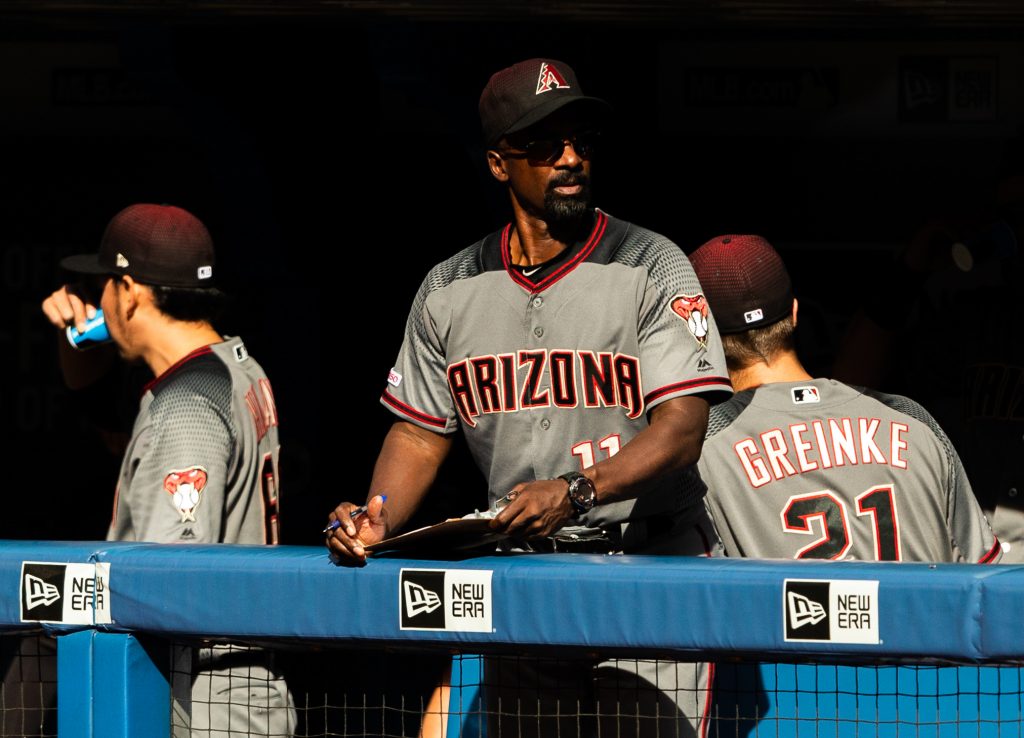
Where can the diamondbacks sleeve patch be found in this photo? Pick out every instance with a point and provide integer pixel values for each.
(186, 489)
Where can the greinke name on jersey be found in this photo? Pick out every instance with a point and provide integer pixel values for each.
(822, 444)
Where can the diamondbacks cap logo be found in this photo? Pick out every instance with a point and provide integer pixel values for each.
(549, 79)
(186, 489)
(445, 599)
(805, 395)
(693, 309)
(121, 261)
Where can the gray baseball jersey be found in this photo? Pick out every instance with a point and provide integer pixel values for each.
(555, 375)
(201, 465)
(818, 469)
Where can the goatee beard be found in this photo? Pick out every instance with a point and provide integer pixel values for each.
(567, 213)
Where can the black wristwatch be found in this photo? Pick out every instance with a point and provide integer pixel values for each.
(582, 493)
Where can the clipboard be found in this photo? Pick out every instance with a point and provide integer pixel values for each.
(451, 535)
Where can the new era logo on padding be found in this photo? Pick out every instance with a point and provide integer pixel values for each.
(419, 599)
(445, 599)
(64, 593)
(832, 610)
(804, 611)
(38, 592)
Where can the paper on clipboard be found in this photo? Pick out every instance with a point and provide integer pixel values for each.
(451, 535)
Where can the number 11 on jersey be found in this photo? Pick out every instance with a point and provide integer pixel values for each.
(584, 450)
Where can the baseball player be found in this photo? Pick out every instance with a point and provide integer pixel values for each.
(574, 350)
(806, 468)
(201, 465)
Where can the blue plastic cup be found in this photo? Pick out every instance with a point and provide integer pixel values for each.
(95, 333)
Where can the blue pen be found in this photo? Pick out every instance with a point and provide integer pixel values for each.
(352, 515)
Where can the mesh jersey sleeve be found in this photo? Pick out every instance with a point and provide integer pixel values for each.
(179, 470)
(417, 388)
(719, 418)
(971, 536)
(674, 360)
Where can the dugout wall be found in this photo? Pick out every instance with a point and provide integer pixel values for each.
(855, 649)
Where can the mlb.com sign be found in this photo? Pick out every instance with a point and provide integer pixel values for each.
(445, 599)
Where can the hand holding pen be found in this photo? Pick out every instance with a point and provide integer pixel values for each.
(336, 523)
(352, 528)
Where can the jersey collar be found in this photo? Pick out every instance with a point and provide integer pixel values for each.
(151, 384)
(600, 224)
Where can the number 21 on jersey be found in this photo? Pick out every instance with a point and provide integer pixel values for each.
(824, 514)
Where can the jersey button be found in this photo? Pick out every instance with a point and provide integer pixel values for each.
(545, 424)
(538, 331)
(538, 301)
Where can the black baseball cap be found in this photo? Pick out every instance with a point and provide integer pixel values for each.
(154, 244)
(526, 93)
(744, 281)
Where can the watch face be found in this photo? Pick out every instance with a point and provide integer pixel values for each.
(582, 493)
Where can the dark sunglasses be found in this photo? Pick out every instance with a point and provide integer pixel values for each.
(549, 150)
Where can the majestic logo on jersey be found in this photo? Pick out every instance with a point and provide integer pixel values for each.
(704, 365)
(186, 489)
(508, 383)
(804, 395)
(693, 309)
(549, 79)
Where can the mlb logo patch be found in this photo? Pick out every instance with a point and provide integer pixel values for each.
(805, 395)
(752, 315)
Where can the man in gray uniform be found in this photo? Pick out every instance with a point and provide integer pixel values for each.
(574, 351)
(807, 468)
(201, 465)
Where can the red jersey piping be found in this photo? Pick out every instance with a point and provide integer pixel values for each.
(201, 351)
(600, 224)
(412, 412)
(688, 385)
(992, 553)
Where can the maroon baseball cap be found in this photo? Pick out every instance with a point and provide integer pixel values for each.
(526, 93)
(744, 281)
(155, 244)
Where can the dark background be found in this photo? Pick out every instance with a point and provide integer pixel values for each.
(333, 151)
